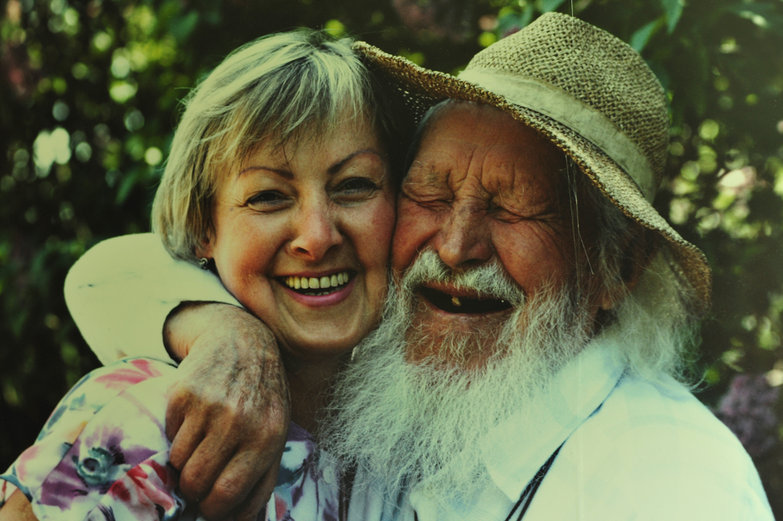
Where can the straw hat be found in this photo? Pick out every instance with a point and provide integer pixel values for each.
(589, 93)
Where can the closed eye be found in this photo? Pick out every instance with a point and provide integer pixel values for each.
(425, 195)
(503, 214)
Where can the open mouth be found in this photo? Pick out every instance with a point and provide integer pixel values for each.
(317, 286)
(462, 304)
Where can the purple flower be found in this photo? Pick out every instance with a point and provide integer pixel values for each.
(748, 409)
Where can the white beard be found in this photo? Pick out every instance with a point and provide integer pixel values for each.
(403, 424)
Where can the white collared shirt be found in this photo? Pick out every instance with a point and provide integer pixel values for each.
(631, 450)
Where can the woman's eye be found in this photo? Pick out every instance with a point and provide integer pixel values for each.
(266, 200)
(356, 187)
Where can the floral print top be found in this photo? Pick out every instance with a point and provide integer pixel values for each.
(103, 454)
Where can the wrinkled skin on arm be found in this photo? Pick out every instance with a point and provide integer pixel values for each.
(229, 410)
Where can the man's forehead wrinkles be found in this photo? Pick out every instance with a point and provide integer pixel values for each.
(437, 167)
(503, 180)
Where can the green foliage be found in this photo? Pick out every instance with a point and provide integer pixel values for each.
(90, 94)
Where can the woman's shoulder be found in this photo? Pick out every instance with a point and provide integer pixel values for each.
(103, 449)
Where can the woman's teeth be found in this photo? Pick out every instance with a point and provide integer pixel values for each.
(326, 282)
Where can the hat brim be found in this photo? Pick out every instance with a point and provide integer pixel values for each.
(420, 88)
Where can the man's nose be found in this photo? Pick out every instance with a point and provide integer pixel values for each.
(316, 231)
(464, 239)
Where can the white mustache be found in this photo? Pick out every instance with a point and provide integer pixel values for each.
(488, 280)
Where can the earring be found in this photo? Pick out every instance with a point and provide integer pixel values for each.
(203, 263)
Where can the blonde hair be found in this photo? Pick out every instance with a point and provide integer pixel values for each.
(278, 87)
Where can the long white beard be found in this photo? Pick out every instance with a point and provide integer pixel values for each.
(402, 423)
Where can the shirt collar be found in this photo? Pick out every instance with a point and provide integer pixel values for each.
(515, 450)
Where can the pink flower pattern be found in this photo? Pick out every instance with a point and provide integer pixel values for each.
(103, 454)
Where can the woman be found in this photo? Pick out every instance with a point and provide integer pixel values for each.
(279, 181)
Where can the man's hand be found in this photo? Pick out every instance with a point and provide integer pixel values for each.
(228, 410)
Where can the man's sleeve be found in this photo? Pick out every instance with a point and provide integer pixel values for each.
(120, 292)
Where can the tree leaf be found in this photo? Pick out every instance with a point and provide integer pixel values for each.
(642, 35)
(182, 27)
(673, 10)
(546, 6)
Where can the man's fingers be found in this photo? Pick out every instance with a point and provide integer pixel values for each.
(259, 496)
(234, 485)
(175, 415)
(198, 476)
(187, 439)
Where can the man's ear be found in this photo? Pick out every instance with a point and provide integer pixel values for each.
(638, 252)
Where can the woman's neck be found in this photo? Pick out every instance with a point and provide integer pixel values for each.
(310, 384)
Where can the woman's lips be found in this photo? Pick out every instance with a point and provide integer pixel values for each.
(322, 290)
(325, 282)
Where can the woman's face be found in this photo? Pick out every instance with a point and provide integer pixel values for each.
(302, 235)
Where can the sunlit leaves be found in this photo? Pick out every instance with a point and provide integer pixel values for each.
(122, 91)
(335, 28)
(102, 41)
(49, 148)
(92, 94)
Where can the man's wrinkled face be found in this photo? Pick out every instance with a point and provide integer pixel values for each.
(483, 189)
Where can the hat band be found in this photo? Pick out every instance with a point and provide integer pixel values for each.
(582, 119)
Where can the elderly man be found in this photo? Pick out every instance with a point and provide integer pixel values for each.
(540, 306)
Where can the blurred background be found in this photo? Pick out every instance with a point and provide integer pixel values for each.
(90, 92)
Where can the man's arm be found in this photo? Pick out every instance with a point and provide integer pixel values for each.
(228, 410)
(122, 290)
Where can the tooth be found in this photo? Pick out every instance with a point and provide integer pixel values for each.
(455, 301)
(297, 285)
(313, 283)
(333, 280)
(324, 282)
(305, 283)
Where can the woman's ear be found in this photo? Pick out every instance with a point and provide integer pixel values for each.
(205, 247)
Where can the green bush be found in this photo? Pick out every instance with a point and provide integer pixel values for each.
(90, 94)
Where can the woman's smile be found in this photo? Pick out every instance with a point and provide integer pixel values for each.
(320, 290)
(302, 233)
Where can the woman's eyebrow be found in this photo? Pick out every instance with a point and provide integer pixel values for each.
(282, 172)
(333, 169)
(336, 167)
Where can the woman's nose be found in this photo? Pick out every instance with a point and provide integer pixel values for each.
(316, 231)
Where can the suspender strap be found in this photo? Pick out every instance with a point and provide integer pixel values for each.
(523, 503)
(530, 490)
